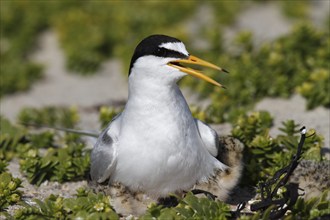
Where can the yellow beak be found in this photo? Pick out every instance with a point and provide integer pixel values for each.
(196, 61)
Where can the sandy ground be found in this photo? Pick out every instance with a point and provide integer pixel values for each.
(109, 87)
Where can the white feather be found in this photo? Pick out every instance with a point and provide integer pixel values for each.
(177, 46)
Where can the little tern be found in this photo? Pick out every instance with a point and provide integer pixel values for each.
(155, 145)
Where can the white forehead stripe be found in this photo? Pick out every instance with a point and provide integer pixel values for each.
(176, 46)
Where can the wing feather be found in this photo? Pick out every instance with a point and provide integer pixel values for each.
(209, 137)
(104, 154)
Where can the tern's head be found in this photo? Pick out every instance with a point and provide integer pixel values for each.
(161, 59)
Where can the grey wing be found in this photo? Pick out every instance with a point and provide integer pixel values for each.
(209, 137)
(104, 154)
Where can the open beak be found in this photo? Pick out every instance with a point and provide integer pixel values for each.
(196, 61)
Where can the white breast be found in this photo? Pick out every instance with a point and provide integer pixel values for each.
(159, 149)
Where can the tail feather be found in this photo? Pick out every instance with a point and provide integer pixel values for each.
(69, 130)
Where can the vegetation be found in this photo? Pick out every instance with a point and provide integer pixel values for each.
(71, 162)
(87, 39)
(9, 193)
(296, 10)
(86, 205)
(50, 116)
(106, 115)
(311, 209)
(265, 154)
(41, 158)
(289, 61)
(315, 89)
(315, 208)
(18, 32)
(190, 207)
(296, 62)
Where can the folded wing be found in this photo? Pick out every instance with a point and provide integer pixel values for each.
(209, 137)
(104, 153)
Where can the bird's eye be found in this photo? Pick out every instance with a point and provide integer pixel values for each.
(161, 52)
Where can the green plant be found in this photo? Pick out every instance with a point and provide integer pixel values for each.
(49, 116)
(265, 154)
(198, 113)
(17, 75)
(3, 164)
(311, 209)
(42, 156)
(10, 137)
(226, 11)
(275, 69)
(279, 198)
(316, 88)
(296, 9)
(107, 114)
(16, 140)
(18, 34)
(9, 193)
(190, 207)
(248, 127)
(85, 205)
(70, 162)
(94, 38)
(314, 208)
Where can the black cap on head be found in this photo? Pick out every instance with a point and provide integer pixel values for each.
(150, 46)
